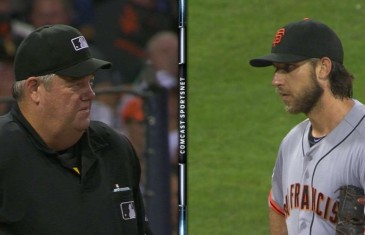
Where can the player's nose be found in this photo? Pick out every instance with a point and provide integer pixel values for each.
(277, 79)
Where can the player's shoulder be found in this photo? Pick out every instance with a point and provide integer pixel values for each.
(357, 109)
(298, 130)
(356, 118)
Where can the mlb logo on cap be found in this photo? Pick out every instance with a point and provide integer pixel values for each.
(79, 43)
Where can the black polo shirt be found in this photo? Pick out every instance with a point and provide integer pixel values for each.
(40, 194)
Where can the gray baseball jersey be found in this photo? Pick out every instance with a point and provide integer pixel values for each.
(306, 179)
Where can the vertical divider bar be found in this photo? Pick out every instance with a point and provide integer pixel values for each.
(182, 198)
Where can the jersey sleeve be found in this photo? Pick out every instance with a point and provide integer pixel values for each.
(275, 198)
(274, 206)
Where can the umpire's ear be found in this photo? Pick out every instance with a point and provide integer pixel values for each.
(31, 87)
(325, 66)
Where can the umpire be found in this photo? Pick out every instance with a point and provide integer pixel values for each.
(61, 173)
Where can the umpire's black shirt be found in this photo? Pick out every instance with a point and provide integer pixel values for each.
(41, 195)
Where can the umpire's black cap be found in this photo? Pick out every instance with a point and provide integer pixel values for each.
(59, 49)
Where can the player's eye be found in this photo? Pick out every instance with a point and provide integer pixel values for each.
(290, 67)
(286, 68)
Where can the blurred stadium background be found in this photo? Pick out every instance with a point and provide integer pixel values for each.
(236, 121)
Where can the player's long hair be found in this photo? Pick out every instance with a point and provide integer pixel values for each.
(341, 81)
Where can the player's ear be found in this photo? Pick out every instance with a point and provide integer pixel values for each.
(325, 66)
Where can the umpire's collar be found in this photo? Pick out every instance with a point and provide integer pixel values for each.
(95, 142)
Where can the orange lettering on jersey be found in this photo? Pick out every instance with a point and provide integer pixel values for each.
(291, 196)
(333, 218)
(286, 209)
(319, 200)
(304, 197)
(314, 193)
(278, 36)
(326, 210)
(297, 192)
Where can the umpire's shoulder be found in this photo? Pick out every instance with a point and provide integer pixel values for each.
(104, 133)
(12, 139)
(112, 145)
(10, 131)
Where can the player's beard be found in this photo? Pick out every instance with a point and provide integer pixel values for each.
(307, 99)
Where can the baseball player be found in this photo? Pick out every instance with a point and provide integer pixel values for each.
(322, 158)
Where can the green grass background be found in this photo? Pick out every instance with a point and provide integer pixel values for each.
(236, 121)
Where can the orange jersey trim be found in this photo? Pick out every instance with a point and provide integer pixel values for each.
(274, 206)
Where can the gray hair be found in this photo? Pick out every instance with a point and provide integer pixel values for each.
(18, 87)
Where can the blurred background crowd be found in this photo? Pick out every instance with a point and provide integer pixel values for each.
(140, 38)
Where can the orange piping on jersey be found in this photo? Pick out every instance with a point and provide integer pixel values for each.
(274, 206)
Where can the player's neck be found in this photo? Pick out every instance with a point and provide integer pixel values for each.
(328, 114)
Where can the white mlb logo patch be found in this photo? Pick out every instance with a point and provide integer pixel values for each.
(79, 43)
(128, 210)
